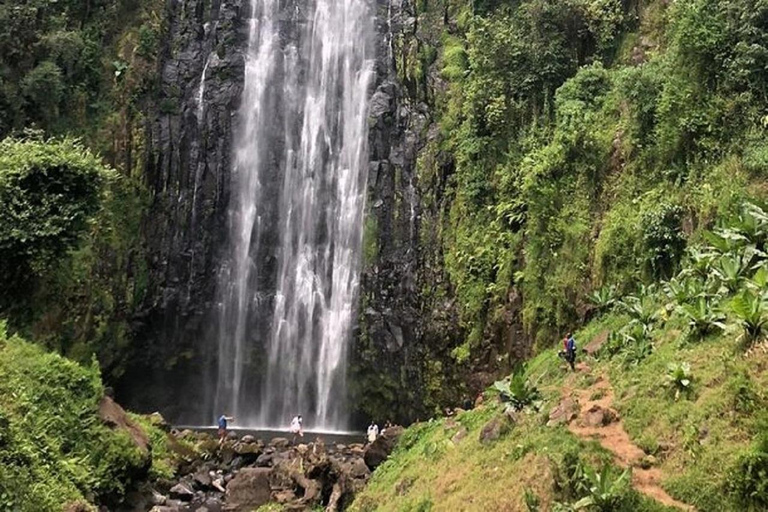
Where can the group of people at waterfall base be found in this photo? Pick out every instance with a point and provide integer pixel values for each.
(373, 431)
(297, 428)
(568, 353)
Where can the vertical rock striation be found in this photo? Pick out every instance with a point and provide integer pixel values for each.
(188, 173)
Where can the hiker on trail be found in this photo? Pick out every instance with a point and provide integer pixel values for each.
(223, 419)
(296, 428)
(569, 351)
(373, 432)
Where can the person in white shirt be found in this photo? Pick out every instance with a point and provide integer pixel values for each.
(373, 432)
(296, 428)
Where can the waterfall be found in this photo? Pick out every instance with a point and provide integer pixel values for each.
(201, 92)
(298, 196)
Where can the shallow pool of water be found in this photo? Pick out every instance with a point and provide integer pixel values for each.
(268, 435)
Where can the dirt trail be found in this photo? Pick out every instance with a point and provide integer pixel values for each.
(598, 420)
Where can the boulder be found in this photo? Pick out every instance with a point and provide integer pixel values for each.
(265, 460)
(279, 443)
(182, 491)
(247, 450)
(495, 429)
(248, 490)
(157, 420)
(565, 412)
(598, 416)
(202, 480)
(213, 505)
(648, 461)
(378, 451)
(248, 439)
(116, 418)
(358, 469)
(284, 496)
(157, 498)
(459, 435)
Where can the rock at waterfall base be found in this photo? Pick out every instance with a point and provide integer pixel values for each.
(378, 451)
(248, 490)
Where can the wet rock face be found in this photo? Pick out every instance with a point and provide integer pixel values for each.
(188, 164)
(188, 171)
(388, 337)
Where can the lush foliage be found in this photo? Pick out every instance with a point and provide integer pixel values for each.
(593, 141)
(49, 190)
(62, 65)
(53, 447)
(81, 70)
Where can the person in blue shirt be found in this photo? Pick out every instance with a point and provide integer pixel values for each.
(223, 419)
(570, 351)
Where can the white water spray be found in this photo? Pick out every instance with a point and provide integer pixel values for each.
(309, 98)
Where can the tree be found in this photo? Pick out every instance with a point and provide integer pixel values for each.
(48, 192)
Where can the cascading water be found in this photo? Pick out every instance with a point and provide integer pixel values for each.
(304, 120)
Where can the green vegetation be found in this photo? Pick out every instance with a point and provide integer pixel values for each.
(74, 75)
(593, 141)
(53, 447)
(50, 190)
(705, 426)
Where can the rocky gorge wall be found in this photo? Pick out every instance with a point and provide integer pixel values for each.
(401, 364)
(188, 172)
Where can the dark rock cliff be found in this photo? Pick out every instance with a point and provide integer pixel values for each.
(188, 172)
(407, 319)
(385, 374)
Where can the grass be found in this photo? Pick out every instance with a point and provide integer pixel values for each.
(696, 439)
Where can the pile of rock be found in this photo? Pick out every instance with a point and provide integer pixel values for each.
(244, 473)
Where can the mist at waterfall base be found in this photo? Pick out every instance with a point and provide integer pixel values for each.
(287, 290)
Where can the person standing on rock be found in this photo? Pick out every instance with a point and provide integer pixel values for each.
(296, 428)
(373, 432)
(223, 419)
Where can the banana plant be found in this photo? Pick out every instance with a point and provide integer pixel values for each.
(731, 270)
(749, 308)
(607, 489)
(700, 260)
(636, 344)
(604, 298)
(679, 378)
(517, 391)
(752, 224)
(703, 317)
(642, 309)
(724, 241)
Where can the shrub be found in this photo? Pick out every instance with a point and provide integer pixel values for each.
(749, 309)
(53, 447)
(48, 192)
(44, 87)
(663, 239)
(679, 378)
(607, 489)
(748, 481)
(703, 318)
(604, 298)
(517, 390)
